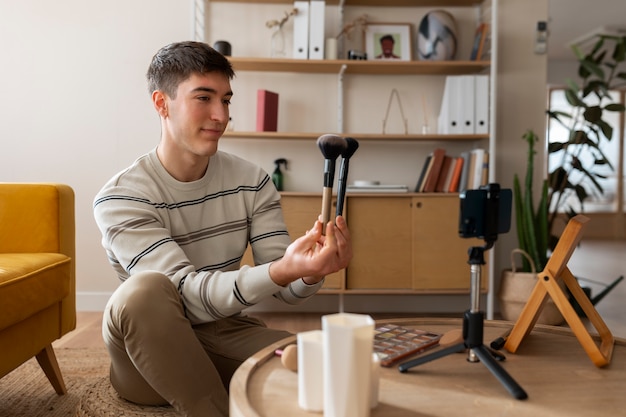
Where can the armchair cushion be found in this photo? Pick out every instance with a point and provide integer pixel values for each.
(30, 282)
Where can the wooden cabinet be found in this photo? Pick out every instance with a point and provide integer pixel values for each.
(402, 243)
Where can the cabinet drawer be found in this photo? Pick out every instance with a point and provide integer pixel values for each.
(439, 255)
(381, 242)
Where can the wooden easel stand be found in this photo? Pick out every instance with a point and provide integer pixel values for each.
(548, 283)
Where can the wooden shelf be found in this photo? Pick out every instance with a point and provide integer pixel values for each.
(359, 67)
(357, 136)
(372, 3)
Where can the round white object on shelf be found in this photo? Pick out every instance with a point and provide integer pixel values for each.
(437, 36)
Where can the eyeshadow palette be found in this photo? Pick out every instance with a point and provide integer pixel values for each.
(393, 343)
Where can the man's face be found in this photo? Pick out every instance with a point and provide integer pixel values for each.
(197, 117)
(387, 47)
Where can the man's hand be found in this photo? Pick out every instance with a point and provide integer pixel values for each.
(314, 255)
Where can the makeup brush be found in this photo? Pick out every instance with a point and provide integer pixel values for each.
(352, 146)
(331, 146)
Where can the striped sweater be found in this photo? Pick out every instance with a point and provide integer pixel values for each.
(197, 232)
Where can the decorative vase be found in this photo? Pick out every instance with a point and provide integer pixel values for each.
(437, 36)
(277, 44)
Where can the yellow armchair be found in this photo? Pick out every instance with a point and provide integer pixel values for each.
(37, 274)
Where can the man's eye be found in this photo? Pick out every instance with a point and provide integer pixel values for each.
(226, 101)
(203, 98)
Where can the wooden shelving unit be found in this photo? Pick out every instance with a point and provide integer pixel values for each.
(359, 67)
(406, 260)
(372, 3)
(357, 136)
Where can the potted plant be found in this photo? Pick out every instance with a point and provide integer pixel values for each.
(573, 179)
(532, 234)
(531, 221)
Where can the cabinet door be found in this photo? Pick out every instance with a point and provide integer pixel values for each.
(300, 213)
(381, 242)
(439, 255)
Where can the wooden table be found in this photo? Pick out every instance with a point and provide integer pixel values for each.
(550, 365)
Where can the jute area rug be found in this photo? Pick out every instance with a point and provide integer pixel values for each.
(26, 392)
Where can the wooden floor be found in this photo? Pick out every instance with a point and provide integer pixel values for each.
(88, 331)
(597, 262)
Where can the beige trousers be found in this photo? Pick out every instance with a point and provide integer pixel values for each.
(158, 357)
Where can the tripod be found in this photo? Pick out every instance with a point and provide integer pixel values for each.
(473, 325)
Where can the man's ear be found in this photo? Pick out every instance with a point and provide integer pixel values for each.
(159, 100)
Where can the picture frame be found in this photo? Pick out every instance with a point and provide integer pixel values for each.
(479, 42)
(395, 36)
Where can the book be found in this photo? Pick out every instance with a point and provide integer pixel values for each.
(479, 42)
(465, 171)
(382, 188)
(485, 169)
(423, 172)
(444, 175)
(455, 178)
(430, 182)
(266, 111)
(475, 174)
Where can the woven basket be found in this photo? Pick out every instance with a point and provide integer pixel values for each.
(515, 289)
(101, 400)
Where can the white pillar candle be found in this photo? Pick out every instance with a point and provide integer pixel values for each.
(310, 371)
(348, 346)
(331, 48)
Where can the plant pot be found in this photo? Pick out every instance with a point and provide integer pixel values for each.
(515, 290)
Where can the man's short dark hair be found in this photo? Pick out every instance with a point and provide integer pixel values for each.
(387, 38)
(176, 62)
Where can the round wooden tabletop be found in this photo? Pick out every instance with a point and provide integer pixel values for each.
(550, 365)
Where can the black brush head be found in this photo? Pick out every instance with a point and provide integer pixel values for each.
(332, 146)
(352, 146)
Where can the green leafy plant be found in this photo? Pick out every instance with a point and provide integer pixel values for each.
(531, 220)
(582, 160)
(575, 178)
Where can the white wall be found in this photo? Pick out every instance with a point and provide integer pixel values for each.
(75, 108)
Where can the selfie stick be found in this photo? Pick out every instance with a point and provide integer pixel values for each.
(473, 319)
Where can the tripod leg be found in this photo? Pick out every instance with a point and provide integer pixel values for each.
(403, 367)
(497, 355)
(502, 375)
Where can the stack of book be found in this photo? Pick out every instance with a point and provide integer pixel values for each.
(376, 187)
(442, 173)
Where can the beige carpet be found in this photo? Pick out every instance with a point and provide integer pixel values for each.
(26, 392)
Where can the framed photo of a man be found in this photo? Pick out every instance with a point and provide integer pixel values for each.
(388, 41)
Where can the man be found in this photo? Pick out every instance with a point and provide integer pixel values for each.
(387, 43)
(175, 226)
